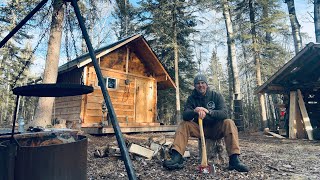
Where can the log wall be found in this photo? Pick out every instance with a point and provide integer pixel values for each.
(134, 102)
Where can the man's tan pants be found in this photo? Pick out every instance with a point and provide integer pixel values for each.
(222, 129)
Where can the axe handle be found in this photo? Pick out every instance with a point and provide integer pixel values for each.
(204, 161)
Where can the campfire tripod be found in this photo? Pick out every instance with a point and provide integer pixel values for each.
(114, 121)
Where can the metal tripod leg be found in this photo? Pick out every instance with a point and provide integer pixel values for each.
(114, 121)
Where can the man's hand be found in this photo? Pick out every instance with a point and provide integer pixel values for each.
(198, 109)
(201, 111)
(202, 114)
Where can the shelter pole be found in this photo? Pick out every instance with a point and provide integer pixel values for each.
(114, 121)
(23, 21)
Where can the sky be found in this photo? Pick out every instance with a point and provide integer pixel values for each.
(304, 10)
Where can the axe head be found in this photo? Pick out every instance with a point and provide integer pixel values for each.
(204, 169)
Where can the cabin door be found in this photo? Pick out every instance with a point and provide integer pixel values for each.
(144, 100)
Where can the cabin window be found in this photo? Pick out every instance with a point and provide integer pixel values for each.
(111, 83)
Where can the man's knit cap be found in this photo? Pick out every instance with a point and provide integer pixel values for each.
(200, 77)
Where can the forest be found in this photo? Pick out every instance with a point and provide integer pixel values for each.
(237, 44)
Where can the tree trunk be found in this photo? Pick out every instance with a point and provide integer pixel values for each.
(45, 104)
(216, 151)
(230, 87)
(231, 50)
(257, 64)
(316, 19)
(295, 26)
(176, 65)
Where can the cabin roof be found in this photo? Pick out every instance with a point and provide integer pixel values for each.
(141, 48)
(301, 72)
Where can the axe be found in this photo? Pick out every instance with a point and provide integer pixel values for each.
(204, 168)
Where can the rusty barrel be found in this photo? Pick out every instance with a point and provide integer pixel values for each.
(67, 161)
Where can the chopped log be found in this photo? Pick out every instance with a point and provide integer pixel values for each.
(159, 140)
(186, 154)
(101, 152)
(107, 151)
(51, 142)
(216, 151)
(155, 147)
(141, 151)
(168, 144)
(276, 135)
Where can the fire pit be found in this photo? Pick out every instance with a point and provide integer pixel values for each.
(51, 156)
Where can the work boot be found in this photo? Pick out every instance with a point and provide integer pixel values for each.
(176, 161)
(234, 163)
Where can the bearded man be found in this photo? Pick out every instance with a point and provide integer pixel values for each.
(210, 106)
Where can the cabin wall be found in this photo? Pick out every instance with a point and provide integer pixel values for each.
(135, 96)
(73, 77)
(69, 107)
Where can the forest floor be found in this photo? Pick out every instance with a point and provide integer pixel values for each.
(267, 157)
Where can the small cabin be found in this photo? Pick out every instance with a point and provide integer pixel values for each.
(133, 75)
(298, 81)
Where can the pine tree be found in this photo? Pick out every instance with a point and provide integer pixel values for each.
(168, 25)
(12, 55)
(125, 15)
(258, 25)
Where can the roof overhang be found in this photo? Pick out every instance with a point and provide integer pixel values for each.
(301, 72)
(140, 47)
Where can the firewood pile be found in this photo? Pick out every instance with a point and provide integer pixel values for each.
(156, 148)
(46, 139)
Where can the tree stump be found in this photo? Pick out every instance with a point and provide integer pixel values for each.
(216, 151)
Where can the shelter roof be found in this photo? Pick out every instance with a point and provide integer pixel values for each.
(301, 72)
(140, 47)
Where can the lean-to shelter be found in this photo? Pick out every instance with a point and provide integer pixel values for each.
(299, 83)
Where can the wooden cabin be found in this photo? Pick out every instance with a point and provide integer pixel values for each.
(133, 74)
(298, 81)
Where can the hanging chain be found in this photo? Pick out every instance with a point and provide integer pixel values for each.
(28, 61)
(71, 32)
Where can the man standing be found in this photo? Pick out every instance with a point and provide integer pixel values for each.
(209, 106)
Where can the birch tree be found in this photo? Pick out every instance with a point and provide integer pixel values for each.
(231, 50)
(295, 26)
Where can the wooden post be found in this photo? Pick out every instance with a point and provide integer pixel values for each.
(300, 130)
(292, 115)
(305, 116)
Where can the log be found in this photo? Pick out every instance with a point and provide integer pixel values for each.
(141, 151)
(216, 151)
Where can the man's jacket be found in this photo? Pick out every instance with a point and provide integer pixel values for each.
(212, 101)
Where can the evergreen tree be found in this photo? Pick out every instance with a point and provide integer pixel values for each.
(261, 26)
(168, 25)
(125, 23)
(13, 55)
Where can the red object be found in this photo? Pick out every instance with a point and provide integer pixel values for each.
(205, 169)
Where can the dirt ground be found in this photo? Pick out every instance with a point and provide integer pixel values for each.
(267, 157)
